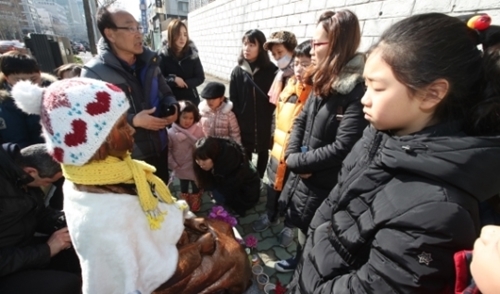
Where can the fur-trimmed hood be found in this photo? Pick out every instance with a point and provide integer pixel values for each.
(47, 79)
(350, 75)
(192, 52)
(225, 107)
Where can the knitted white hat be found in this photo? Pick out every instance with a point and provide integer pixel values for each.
(76, 114)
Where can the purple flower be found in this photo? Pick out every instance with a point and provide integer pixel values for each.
(251, 241)
(231, 220)
(218, 212)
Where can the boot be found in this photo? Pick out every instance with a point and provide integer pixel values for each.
(195, 202)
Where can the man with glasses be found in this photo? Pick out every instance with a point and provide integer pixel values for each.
(124, 61)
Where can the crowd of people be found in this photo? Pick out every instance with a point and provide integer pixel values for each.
(385, 163)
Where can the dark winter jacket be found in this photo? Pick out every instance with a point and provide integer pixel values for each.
(187, 67)
(251, 106)
(235, 177)
(403, 206)
(328, 128)
(15, 125)
(22, 213)
(145, 88)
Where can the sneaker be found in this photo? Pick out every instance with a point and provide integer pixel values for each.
(286, 237)
(263, 223)
(286, 265)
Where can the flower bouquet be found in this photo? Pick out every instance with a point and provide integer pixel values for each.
(251, 244)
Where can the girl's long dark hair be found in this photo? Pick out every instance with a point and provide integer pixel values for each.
(256, 37)
(423, 48)
(205, 148)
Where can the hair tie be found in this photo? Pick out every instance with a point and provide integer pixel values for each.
(479, 22)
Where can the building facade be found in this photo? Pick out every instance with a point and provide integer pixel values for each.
(59, 16)
(11, 20)
(160, 13)
(46, 21)
(30, 20)
(76, 20)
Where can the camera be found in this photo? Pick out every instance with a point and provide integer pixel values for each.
(60, 222)
(167, 110)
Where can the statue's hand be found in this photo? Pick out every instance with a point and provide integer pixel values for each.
(206, 244)
(197, 224)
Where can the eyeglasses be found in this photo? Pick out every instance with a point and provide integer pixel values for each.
(137, 29)
(316, 44)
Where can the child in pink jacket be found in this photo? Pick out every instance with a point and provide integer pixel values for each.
(217, 117)
(181, 139)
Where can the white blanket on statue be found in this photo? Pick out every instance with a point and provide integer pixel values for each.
(118, 251)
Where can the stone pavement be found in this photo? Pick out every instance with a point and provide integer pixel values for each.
(268, 247)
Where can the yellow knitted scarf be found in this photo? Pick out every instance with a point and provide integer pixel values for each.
(113, 170)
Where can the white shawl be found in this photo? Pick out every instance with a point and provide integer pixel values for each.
(117, 250)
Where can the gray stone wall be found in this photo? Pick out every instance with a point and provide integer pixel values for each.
(217, 28)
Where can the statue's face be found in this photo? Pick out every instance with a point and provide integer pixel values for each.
(121, 138)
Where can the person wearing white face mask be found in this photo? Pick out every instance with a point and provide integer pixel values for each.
(281, 44)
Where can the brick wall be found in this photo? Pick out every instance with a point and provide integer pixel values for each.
(217, 28)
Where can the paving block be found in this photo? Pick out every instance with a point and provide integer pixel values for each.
(284, 278)
(248, 219)
(281, 253)
(267, 234)
(266, 244)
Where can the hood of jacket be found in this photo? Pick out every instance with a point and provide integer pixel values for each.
(192, 52)
(444, 153)
(225, 107)
(350, 75)
(105, 53)
(47, 79)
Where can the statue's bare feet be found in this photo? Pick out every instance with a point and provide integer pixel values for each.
(207, 244)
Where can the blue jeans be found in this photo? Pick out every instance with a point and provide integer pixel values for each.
(218, 197)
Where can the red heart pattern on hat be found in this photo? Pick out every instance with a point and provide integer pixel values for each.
(58, 154)
(77, 116)
(101, 105)
(78, 134)
(52, 101)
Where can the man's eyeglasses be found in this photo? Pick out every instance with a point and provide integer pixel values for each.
(316, 44)
(133, 30)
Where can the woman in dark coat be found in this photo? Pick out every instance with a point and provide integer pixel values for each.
(222, 166)
(408, 193)
(329, 125)
(248, 88)
(180, 63)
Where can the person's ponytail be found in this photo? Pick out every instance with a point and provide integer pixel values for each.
(485, 115)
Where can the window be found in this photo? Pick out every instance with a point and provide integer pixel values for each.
(183, 6)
